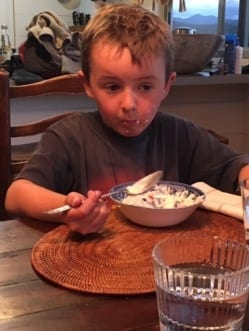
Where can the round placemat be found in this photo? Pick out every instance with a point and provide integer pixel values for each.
(115, 261)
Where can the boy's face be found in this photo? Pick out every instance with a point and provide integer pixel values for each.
(128, 95)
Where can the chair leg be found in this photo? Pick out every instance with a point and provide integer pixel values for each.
(5, 142)
(3, 212)
(5, 180)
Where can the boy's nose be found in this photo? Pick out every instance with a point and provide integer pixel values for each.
(128, 100)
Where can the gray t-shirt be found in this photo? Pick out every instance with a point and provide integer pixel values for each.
(80, 153)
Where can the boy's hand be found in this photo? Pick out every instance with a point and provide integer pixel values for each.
(88, 214)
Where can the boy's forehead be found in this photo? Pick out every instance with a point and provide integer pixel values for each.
(112, 50)
(103, 47)
(110, 59)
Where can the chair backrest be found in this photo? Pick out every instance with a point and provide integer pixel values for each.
(64, 84)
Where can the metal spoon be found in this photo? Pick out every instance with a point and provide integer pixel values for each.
(138, 187)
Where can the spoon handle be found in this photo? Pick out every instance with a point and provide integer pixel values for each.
(65, 208)
(58, 210)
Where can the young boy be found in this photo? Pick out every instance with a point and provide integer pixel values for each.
(127, 67)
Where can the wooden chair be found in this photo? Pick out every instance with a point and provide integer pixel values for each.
(12, 157)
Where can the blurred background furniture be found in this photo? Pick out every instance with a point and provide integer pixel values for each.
(13, 157)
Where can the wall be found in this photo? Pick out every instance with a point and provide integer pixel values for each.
(6, 16)
(24, 11)
(222, 108)
(17, 14)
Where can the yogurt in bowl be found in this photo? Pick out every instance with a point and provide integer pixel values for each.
(165, 204)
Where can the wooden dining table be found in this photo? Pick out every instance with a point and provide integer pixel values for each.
(30, 302)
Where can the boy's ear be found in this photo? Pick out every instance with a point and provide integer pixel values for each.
(168, 83)
(86, 84)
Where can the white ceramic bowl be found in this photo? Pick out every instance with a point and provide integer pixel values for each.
(157, 217)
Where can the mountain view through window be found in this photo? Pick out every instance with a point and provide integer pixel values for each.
(205, 16)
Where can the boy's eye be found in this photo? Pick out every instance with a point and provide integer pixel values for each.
(145, 87)
(112, 87)
(116, 87)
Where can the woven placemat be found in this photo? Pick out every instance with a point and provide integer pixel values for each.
(116, 261)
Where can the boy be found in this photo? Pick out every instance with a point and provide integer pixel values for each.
(127, 67)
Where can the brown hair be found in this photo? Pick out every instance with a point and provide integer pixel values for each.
(132, 27)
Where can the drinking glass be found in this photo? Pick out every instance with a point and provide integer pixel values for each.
(202, 283)
(244, 189)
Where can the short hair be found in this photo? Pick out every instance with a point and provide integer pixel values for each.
(128, 26)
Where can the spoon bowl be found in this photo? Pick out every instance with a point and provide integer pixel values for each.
(140, 186)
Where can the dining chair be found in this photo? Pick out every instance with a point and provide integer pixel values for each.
(13, 157)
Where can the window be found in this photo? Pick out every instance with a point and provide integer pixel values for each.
(214, 16)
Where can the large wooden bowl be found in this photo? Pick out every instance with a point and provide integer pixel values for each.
(194, 51)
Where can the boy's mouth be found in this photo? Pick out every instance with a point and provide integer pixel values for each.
(129, 123)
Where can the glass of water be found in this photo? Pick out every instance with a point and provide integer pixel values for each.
(244, 189)
(202, 283)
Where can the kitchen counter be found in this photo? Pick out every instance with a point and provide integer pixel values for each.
(218, 102)
(195, 80)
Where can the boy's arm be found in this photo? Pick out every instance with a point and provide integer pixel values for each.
(89, 213)
(244, 173)
(26, 198)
